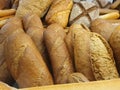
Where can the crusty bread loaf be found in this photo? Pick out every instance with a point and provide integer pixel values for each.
(59, 12)
(83, 12)
(23, 59)
(81, 53)
(5, 75)
(7, 12)
(107, 27)
(60, 58)
(34, 28)
(69, 39)
(110, 16)
(93, 56)
(115, 44)
(32, 6)
(101, 57)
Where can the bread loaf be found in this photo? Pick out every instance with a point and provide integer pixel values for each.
(107, 27)
(110, 16)
(83, 12)
(93, 56)
(59, 12)
(101, 57)
(81, 53)
(23, 59)
(69, 39)
(32, 6)
(34, 28)
(115, 44)
(7, 12)
(5, 75)
(60, 58)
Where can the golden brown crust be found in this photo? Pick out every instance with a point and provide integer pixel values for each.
(59, 12)
(115, 45)
(69, 39)
(5, 75)
(102, 60)
(106, 10)
(82, 53)
(23, 59)
(32, 6)
(7, 12)
(34, 28)
(60, 58)
(110, 16)
(106, 30)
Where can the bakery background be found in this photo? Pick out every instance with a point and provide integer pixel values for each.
(55, 42)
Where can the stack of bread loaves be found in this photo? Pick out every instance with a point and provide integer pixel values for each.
(59, 44)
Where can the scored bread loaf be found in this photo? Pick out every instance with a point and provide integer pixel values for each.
(59, 12)
(34, 28)
(23, 59)
(60, 58)
(83, 12)
(32, 6)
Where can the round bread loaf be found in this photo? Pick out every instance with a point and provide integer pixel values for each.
(83, 12)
